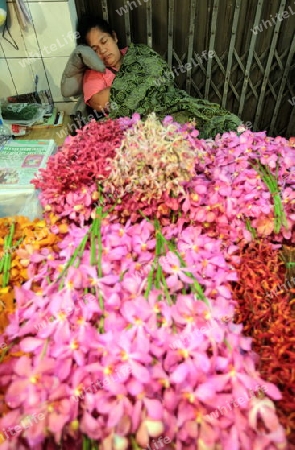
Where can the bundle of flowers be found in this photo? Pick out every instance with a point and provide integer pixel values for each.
(236, 186)
(19, 238)
(264, 307)
(129, 343)
(239, 185)
(237, 195)
(153, 160)
(68, 184)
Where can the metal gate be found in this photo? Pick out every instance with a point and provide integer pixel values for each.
(238, 53)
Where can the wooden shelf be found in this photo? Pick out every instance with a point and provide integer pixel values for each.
(50, 133)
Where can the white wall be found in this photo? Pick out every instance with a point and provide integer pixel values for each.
(49, 42)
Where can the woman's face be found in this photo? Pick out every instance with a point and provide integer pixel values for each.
(105, 46)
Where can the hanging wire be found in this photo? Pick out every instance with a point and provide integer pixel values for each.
(13, 43)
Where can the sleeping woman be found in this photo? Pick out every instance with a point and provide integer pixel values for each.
(137, 79)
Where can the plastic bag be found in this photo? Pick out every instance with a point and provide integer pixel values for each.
(18, 202)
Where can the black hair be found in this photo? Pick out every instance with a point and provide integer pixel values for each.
(86, 23)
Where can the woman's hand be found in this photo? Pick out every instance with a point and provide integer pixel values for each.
(100, 101)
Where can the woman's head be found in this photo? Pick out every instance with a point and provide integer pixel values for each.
(98, 34)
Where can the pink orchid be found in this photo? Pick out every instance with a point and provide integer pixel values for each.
(29, 379)
(171, 265)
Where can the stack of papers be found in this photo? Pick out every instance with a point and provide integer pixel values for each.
(20, 161)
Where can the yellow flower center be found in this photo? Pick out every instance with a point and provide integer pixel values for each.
(34, 379)
(183, 353)
(165, 382)
(61, 267)
(78, 391)
(233, 372)
(61, 316)
(69, 285)
(199, 417)
(81, 321)
(195, 197)
(124, 355)
(189, 319)
(74, 345)
(156, 308)
(74, 425)
(190, 396)
(164, 322)
(78, 207)
(108, 370)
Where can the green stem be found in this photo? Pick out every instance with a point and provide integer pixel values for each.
(166, 290)
(250, 228)
(86, 443)
(271, 182)
(161, 240)
(45, 348)
(150, 281)
(6, 264)
(134, 444)
(97, 237)
(77, 254)
(93, 250)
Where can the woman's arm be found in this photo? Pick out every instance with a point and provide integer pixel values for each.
(100, 101)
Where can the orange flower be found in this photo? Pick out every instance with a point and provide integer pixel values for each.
(29, 236)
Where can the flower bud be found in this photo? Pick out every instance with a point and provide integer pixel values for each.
(95, 195)
(74, 425)
(154, 427)
(78, 207)
(63, 228)
(120, 443)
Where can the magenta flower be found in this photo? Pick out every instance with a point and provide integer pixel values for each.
(172, 266)
(30, 379)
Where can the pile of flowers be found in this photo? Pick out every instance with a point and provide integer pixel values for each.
(68, 184)
(124, 331)
(19, 238)
(154, 159)
(264, 307)
(130, 338)
(237, 186)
